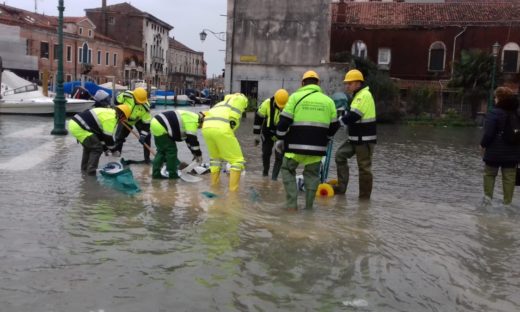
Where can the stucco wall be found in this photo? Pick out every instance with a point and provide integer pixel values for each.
(277, 41)
(272, 78)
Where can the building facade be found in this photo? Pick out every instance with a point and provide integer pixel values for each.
(144, 36)
(187, 68)
(270, 44)
(84, 51)
(418, 43)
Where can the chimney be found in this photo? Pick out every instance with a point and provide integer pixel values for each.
(104, 18)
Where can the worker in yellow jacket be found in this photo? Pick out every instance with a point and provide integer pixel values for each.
(219, 127)
(266, 120)
(140, 117)
(170, 127)
(94, 129)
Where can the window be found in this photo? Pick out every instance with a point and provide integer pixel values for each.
(359, 49)
(107, 58)
(69, 54)
(99, 57)
(28, 47)
(90, 32)
(55, 52)
(383, 56)
(84, 58)
(115, 59)
(81, 30)
(510, 56)
(89, 56)
(80, 55)
(111, 20)
(44, 49)
(437, 56)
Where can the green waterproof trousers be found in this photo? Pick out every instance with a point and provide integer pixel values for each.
(508, 182)
(311, 177)
(166, 152)
(364, 153)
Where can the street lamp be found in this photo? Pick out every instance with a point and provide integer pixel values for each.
(495, 50)
(59, 100)
(219, 35)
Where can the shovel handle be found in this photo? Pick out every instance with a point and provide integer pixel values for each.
(137, 136)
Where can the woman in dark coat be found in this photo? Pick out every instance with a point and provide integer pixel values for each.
(497, 152)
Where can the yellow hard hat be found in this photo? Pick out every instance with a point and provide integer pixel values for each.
(353, 75)
(280, 97)
(140, 95)
(310, 74)
(125, 109)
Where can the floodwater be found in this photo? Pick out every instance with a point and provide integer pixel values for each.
(423, 243)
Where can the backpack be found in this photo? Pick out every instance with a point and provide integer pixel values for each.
(511, 133)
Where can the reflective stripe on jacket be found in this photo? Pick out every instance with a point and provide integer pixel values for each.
(181, 125)
(99, 121)
(139, 112)
(363, 130)
(264, 121)
(220, 115)
(308, 121)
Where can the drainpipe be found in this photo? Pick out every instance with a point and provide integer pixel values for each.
(1, 70)
(232, 46)
(454, 47)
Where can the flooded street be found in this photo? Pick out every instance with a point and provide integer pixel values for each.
(423, 243)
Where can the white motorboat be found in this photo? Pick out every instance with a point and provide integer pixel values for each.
(19, 96)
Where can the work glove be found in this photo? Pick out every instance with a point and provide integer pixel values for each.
(142, 139)
(198, 159)
(115, 153)
(257, 140)
(278, 146)
(232, 124)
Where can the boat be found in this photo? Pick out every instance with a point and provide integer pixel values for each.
(169, 98)
(19, 96)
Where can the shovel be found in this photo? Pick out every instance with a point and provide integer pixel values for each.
(183, 174)
(137, 136)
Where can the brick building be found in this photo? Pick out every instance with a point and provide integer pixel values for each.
(187, 68)
(418, 42)
(84, 49)
(144, 37)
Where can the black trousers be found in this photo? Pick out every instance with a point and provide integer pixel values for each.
(122, 133)
(267, 150)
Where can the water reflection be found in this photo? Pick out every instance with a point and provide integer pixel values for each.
(422, 243)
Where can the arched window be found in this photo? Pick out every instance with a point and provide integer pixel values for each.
(510, 55)
(437, 56)
(86, 57)
(359, 49)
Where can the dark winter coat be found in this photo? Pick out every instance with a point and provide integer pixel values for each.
(499, 153)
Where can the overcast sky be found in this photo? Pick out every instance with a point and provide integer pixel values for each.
(188, 18)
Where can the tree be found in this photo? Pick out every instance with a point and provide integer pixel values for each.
(421, 100)
(472, 75)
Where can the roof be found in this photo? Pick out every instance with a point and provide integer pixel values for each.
(128, 9)
(14, 16)
(179, 46)
(401, 14)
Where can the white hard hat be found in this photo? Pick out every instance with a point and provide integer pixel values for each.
(101, 95)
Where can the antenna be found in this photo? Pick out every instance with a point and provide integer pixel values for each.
(35, 6)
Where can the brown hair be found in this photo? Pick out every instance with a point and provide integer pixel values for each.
(503, 93)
